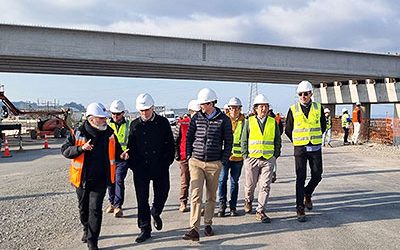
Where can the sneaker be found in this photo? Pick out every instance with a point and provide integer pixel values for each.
(109, 209)
(308, 202)
(183, 207)
(248, 207)
(261, 216)
(233, 212)
(118, 212)
(208, 231)
(191, 235)
(301, 215)
(273, 177)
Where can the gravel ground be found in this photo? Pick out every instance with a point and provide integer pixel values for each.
(39, 207)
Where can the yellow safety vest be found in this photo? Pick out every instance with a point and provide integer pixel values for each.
(237, 148)
(345, 123)
(122, 134)
(328, 123)
(261, 145)
(306, 130)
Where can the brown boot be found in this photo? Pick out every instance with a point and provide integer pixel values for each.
(301, 215)
(109, 209)
(308, 202)
(118, 212)
(261, 216)
(191, 235)
(183, 207)
(208, 231)
(248, 207)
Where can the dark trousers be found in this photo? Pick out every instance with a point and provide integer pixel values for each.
(315, 161)
(160, 190)
(116, 192)
(235, 168)
(346, 134)
(90, 210)
(185, 181)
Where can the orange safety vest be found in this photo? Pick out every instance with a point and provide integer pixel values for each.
(76, 167)
(355, 115)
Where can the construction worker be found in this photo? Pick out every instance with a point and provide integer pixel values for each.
(151, 145)
(345, 125)
(305, 124)
(208, 147)
(261, 146)
(180, 132)
(326, 141)
(93, 149)
(235, 162)
(356, 119)
(120, 125)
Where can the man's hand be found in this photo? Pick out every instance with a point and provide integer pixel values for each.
(87, 146)
(125, 156)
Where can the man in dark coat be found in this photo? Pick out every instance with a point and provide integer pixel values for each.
(152, 151)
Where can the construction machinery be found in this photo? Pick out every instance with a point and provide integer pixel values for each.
(50, 121)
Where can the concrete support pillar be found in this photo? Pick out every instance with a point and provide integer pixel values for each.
(396, 125)
(366, 115)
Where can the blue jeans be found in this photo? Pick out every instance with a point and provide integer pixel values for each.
(235, 168)
(116, 192)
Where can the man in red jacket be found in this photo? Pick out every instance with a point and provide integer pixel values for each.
(356, 119)
(180, 152)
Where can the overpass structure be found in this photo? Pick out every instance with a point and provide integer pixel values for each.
(340, 77)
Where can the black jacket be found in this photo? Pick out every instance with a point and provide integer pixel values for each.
(151, 146)
(209, 140)
(96, 166)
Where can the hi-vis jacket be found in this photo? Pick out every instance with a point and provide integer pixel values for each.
(122, 132)
(72, 149)
(306, 129)
(261, 144)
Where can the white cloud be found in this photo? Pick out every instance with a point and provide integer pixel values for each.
(68, 4)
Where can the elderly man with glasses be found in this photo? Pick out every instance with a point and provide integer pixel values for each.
(305, 124)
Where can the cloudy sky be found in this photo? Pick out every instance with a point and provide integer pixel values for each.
(358, 25)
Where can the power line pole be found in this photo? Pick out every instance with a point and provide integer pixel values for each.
(253, 93)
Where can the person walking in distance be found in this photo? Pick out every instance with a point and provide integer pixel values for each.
(180, 132)
(151, 145)
(120, 125)
(208, 147)
(305, 124)
(235, 162)
(356, 119)
(345, 125)
(326, 141)
(261, 146)
(93, 150)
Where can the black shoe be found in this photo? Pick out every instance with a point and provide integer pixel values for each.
(301, 215)
(143, 236)
(191, 235)
(157, 222)
(233, 212)
(84, 237)
(308, 202)
(208, 231)
(274, 177)
(92, 245)
(221, 210)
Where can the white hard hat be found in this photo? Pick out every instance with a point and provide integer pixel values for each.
(345, 110)
(358, 103)
(144, 101)
(326, 110)
(226, 106)
(117, 106)
(234, 101)
(304, 86)
(206, 95)
(96, 109)
(193, 105)
(260, 99)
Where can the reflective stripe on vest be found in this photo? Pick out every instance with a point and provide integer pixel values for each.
(76, 167)
(345, 122)
(306, 130)
(237, 147)
(122, 134)
(261, 145)
(328, 123)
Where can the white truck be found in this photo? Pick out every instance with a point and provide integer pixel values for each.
(170, 115)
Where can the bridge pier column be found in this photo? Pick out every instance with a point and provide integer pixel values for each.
(366, 118)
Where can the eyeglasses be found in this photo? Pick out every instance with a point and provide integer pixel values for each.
(304, 93)
(234, 107)
(117, 114)
(207, 103)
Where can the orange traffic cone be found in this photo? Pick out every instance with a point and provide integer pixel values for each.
(46, 143)
(6, 153)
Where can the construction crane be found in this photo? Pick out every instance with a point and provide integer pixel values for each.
(52, 125)
(253, 93)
